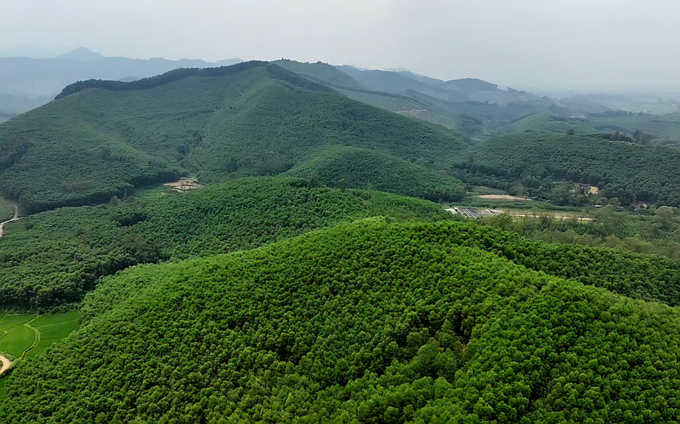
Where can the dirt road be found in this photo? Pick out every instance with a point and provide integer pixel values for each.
(5, 364)
(16, 218)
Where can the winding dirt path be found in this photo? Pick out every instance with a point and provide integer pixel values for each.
(16, 218)
(5, 364)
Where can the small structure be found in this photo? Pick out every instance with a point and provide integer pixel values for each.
(183, 185)
(473, 212)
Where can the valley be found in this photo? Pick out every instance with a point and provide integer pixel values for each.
(299, 242)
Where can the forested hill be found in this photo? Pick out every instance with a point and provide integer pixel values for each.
(627, 171)
(60, 254)
(38, 270)
(368, 322)
(105, 138)
(179, 74)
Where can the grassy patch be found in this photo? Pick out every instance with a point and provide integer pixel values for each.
(6, 210)
(53, 328)
(150, 193)
(16, 336)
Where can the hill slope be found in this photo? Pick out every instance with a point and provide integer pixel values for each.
(340, 166)
(321, 72)
(103, 138)
(627, 171)
(61, 254)
(368, 322)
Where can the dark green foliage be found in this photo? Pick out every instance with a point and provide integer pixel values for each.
(62, 254)
(363, 168)
(371, 322)
(157, 81)
(320, 71)
(65, 251)
(253, 118)
(623, 170)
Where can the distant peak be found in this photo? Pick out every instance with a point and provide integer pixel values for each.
(82, 54)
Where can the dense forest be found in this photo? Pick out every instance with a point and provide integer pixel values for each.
(315, 275)
(629, 172)
(341, 166)
(54, 258)
(247, 119)
(182, 73)
(371, 322)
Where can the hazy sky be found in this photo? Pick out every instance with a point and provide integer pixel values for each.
(531, 44)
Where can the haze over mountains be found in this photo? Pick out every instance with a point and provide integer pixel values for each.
(26, 82)
(316, 273)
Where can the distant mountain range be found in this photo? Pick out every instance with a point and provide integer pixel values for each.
(26, 83)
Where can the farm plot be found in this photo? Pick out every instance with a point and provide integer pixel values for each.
(53, 328)
(31, 334)
(15, 337)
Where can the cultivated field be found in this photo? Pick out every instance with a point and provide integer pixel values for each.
(30, 334)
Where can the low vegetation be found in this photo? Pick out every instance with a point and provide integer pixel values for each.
(655, 231)
(629, 172)
(6, 210)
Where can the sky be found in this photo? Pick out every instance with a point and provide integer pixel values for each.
(549, 45)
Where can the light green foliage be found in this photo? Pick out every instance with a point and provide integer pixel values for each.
(370, 322)
(52, 328)
(15, 337)
(665, 129)
(552, 123)
(6, 210)
(650, 232)
(362, 168)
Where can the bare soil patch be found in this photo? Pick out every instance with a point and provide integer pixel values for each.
(184, 184)
(16, 218)
(502, 197)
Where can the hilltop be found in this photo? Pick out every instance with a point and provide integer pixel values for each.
(367, 322)
(103, 138)
(34, 82)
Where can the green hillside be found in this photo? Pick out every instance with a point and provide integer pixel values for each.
(554, 123)
(340, 166)
(322, 72)
(103, 138)
(55, 257)
(629, 172)
(370, 322)
(664, 129)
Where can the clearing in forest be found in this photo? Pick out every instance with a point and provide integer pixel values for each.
(184, 184)
(27, 335)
